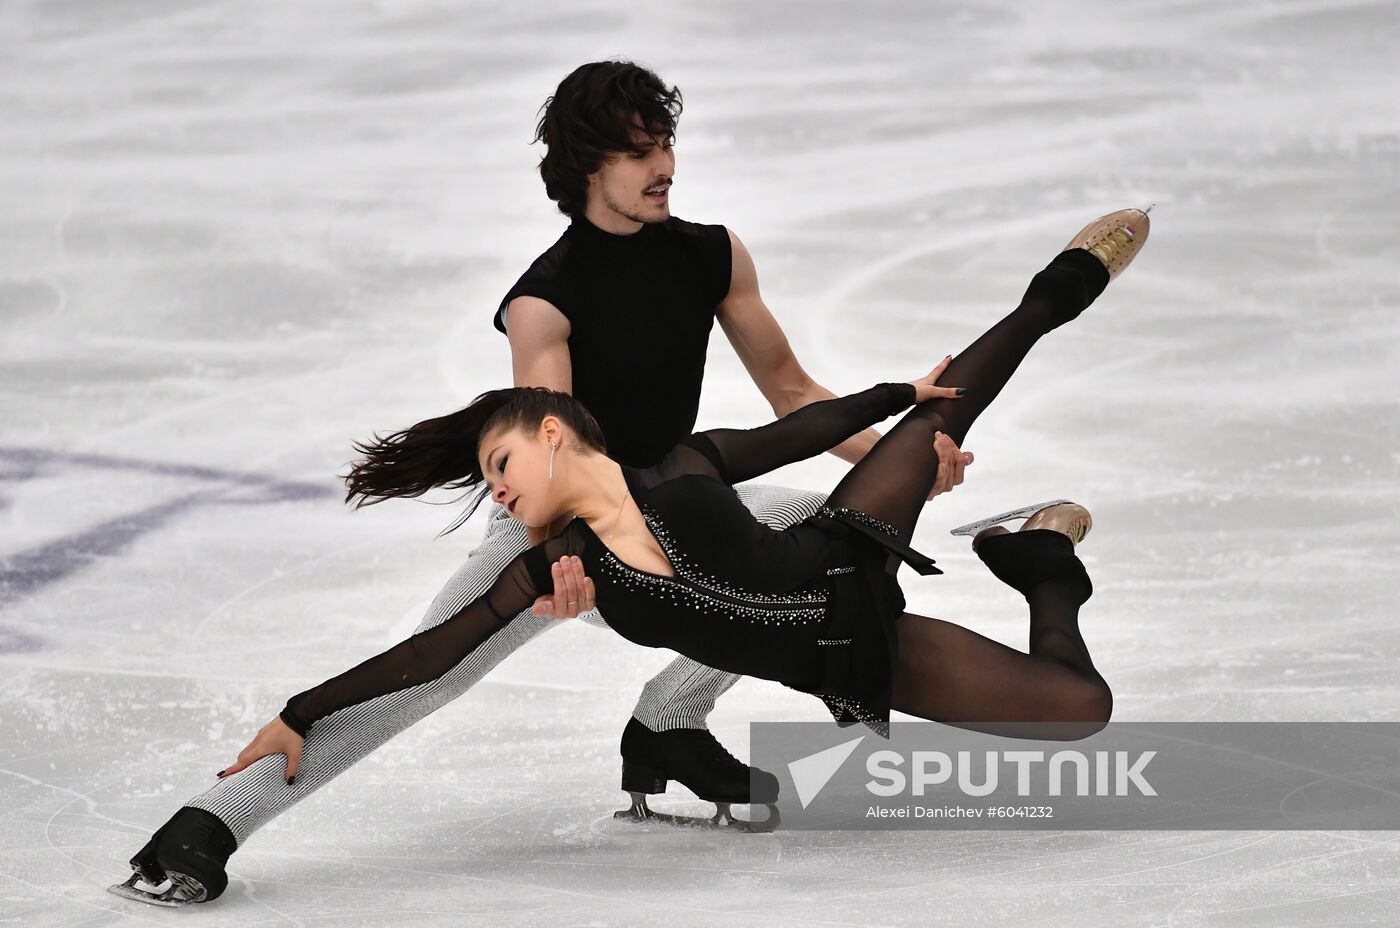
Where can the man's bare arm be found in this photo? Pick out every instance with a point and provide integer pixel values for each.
(763, 348)
(768, 357)
(539, 357)
(539, 344)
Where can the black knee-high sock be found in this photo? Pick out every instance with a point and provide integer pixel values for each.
(1041, 565)
(1054, 632)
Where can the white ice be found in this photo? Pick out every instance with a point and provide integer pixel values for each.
(236, 236)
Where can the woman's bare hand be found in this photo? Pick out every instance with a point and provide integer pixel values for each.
(274, 738)
(925, 388)
(573, 592)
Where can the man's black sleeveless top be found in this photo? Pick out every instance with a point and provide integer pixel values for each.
(640, 309)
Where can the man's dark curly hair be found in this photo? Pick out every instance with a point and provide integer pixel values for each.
(591, 116)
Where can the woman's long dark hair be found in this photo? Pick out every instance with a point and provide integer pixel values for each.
(442, 452)
(590, 116)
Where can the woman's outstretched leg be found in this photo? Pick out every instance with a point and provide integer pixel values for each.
(893, 480)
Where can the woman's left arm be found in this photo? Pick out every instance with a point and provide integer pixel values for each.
(742, 454)
(424, 657)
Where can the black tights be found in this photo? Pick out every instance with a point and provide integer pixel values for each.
(946, 672)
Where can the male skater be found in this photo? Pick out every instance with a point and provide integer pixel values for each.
(627, 296)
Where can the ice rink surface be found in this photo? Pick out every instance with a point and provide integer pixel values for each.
(237, 236)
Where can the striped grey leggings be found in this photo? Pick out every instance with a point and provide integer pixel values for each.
(680, 696)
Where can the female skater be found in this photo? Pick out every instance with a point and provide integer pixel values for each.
(675, 561)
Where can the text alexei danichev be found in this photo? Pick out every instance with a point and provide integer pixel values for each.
(960, 812)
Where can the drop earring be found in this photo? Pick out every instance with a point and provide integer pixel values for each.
(551, 460)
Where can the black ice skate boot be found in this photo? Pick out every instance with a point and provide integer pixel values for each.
(183, 863)
(695, 759)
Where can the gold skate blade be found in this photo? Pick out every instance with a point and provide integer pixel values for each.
(1024, 512)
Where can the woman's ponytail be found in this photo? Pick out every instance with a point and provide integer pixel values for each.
(442, 452)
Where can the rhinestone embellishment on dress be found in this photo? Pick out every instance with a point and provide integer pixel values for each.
(855, 515)
(841, 704)
(703, 591)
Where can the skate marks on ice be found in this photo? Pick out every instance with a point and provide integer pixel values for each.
(26, 572)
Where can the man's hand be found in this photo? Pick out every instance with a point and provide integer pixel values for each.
(951, 462)
(273, 738)
(573, 592)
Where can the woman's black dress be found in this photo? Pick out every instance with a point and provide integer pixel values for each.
(812, 606)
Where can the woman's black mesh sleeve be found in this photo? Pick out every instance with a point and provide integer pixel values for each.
(742, 454)
(430, 654)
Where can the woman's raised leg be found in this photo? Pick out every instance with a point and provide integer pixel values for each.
(951, 674)
(893, 480)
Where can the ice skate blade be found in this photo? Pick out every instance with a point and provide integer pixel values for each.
(1025, 512)
(177, 890)
(723, 818)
